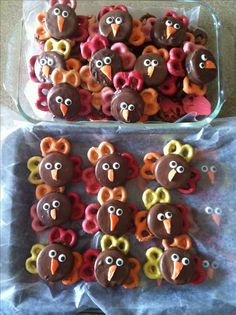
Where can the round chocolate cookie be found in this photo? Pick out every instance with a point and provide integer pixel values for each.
(114, 217)
(127, 105)
(54, 209)
(201, 66)
(112, 170)
(56, 169)
(177, 266)
(153, 68)
(116, 26)
(172, 171)
(165, 221)
(61, 21)
(54, 262)
(111, 268)
(63, 101)
(103, 66)
(168, 32)
(45, 63)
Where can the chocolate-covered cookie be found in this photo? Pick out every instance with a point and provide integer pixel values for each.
(116, 26)
(165, 221)
(54, 209)
(201, 66)
(127, 105)
(61, 21)
(153, 68)
(45, 63)
(177, 266)
(103, 66)
(168, 32)
(111, 268)
(63, 101)
(114, 217)
(172, 171)
(55, 262)
(56, 169)
(112, 170)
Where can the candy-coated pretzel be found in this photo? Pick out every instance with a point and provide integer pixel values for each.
(169, 86)
(181, 241)
(142, 233)
(149, 97)
(192, 183)
(171, 110)
(95, 153)
(147, 26)
(96, 100)
(67, 237)
(87, 81)
(137, 37)
(36, 224)
(132, 165)
(90, 224)
(70, 3)
(77, 206)
(127, 57)
(151, 268)
(182, 18)
(107, 9)
(73, 64)
(41, 33)
(74, 276)
(151, 197)
(117, 193)
(186, 222)
(41, 102)
(175, 147)
(162, 52)
(200, 274)
(92, 25)
(190, 47)
(31, 65)
(175, 62)
(62, 76)
(133, 280)
(30, 263)
(85, 102)
(190, 37)
(44, 189)
(92, 186)
(93, 44)
(121, 243)
(87, 269)
(192, 88)
(62, 46)
(33, 166)
(49, 144)
(147, 169)
(200, 36)
(77, 167)
(131, 79)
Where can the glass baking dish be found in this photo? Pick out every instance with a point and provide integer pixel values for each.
(206, 19)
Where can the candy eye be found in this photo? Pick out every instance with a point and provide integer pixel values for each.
(177, 26)
(116, 166)
(119, 212)
(56, 11)
(185, 261)
(168, 215)
(155, 62)
(205, 264)
(109, 260)
(56, 204)
(204, 169)
(119, 262)
(109, 20)
(208, 210)
(48, 166)
(46, 206)
(131, 107)
(201, 65)
(68, 102)
(180, 169)
(59, 99)
(147, 62)
(175, 257)
(118, 20)
(107, 60)
(213, 169)
(99, 64)
(43, 61)
(65, 14)
(62, 258)
(111, 209)
(52, 253)
(123, 105)
(160, 217)
(58, 166)
(204, 57)
(215, 265)
(168, 23)
(50, 62)
(218, 211)
(105, 166)
(173, 164)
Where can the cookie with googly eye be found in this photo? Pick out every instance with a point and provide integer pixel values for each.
(111, 268)
(53, 209)
(127, 105)
(56, 169)
(45, 63)
(153, 68)
(63, 101)
(114, 217)
(168, 32)
(215, 213)
(201, 66)
(103, 66)
(116, 26)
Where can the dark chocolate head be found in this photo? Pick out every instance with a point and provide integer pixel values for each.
(116, 26)
(114, 217)
(201, 66)
(61, 21)
(127, 105)
(165, 221)
(54, 209)
(55, 262)
(177, 266)
(45, 63)
(112, 170)
(63, 101)
(168, 32)
(56, 169)
(111, 268)
(103, 66)
(153, 69)
(172, 171)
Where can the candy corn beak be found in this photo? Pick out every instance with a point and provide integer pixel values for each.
(178, 266)
(64, 109)
(113, 221)
(150, 71)
(54, 174)
(211, 176)
(159, 280)
(210, 64)
(111, 175)
(210, 273)
(172, 174)
(60, 22)
(115, 29)
(111, 272)
(46, 70)
(106, 70)
(170, 31)
(54, 265)
(216, 218)
(167, 225)
(125, 114)
(53, 214)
